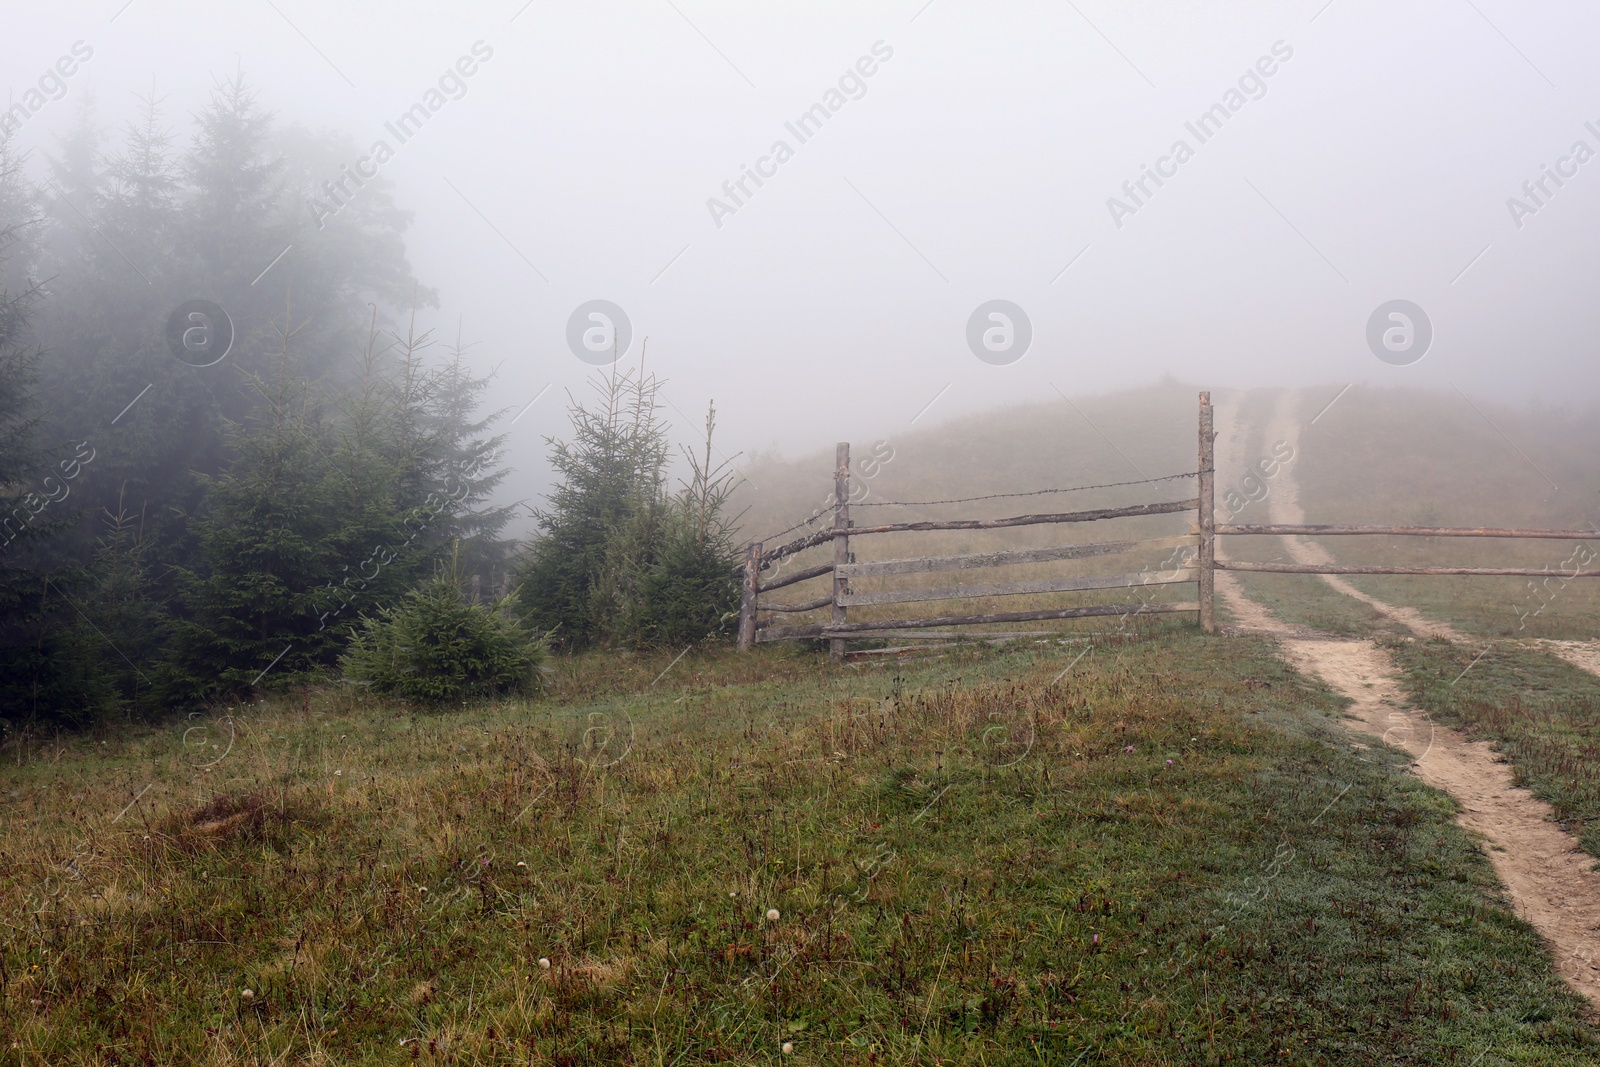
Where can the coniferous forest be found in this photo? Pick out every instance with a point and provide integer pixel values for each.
(303, 488)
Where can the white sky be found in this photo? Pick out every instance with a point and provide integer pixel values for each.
(976, 166)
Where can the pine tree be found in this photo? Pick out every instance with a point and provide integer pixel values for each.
(419, 465)
(689, 591)
(21, 501)
(39, 675)
(379, 561)
(465, 458)
(270, 541)
(123, 628)
(169, 225)
(76, 181)
(435, 646)
(579, 578)
(117, 271)
(315, 524)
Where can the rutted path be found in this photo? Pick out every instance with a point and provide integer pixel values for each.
(1548, 879)
(1284, 505)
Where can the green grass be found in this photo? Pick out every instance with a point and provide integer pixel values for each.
(1168, 854)
(1543, 714)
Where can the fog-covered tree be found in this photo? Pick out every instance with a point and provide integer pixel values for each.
(331, 508)
(269, 543)
(222, 218)
(123, 628)
(39, 675)
(251, 506)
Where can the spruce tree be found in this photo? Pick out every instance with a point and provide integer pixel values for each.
(123, 628)
(270, 541)
(203, 220)
(579, 577)
(22, 499)
(689, 591)
(436, 646)
(465, 462)
(41, 677)
(616, 559)
(377, 565)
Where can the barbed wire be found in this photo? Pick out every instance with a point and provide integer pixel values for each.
(1035, 492)
(803, 522)
(969, 499)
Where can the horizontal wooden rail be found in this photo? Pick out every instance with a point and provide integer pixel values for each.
(1005, 559)
(823, 536)
(798, 576)
(810, 605)
(799, 544)
(802, 632)
(1035, 585)
(888, 630)
(1340, 568)
(1403, 531)
(1168, 508)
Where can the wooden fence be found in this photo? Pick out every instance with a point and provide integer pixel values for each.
(842, 570)
(1200, 570)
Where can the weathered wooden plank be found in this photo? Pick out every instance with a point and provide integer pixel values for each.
(747, 596)
(798, 576)
(902, 650)
(1035, 585)
(888, 630)
(1341, 568)
(1167, 508)
(841, 540)
(923, 564)
(1207, 516)
(1403, 531)
(853, 628)
(810, 605)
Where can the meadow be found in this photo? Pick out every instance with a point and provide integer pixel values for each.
(1163, 850)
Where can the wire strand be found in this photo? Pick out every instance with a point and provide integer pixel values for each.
(1003, 496)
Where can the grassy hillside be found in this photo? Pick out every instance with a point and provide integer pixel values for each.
(1165, 852)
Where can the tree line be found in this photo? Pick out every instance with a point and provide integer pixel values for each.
(320, 504)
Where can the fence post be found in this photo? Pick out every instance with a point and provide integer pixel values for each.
(1207, 519)
(747, 596)
(841, 541)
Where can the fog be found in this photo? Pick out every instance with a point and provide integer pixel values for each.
(1357, 154)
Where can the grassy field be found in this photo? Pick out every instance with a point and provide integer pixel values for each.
(1162, 850)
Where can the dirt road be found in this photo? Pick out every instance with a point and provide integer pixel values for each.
(1548, 879)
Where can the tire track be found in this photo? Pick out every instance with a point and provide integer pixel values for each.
(1549, 880)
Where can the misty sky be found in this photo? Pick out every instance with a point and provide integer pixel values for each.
(577, 161)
